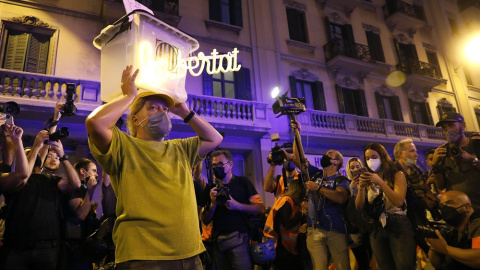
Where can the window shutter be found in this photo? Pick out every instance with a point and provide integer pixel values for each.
(380, 105)
(375, 46)
(347, 33)
(32, 55)
(207, 84)
(428, 114)
(341, 102)
(363, 101)
(43, 55)
(293, 86)
(397, 109)
(412, 111)
(327, 26)
(16, 51)
(215, 13)
(242, 84)
(318, 96)
(237, 13)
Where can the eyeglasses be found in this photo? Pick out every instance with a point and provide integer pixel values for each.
(219, 164)
(51, 156)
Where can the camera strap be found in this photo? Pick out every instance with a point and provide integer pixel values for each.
(50, 124)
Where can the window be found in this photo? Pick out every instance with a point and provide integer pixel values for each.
(375, 46)
(433, 60)
(311, 91)
(226, 11)
(420, 112)
(26, 51)
(235, 85)
(389, 107)
(352, 101)
(296, 25)
(442, 109)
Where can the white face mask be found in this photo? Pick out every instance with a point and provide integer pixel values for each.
(410, 162)
(374, 164)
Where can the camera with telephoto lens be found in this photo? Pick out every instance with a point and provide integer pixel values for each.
(69, 109)
(59, 134)
(453, 151)
(278, 156)
(429, 231)
(223, 194)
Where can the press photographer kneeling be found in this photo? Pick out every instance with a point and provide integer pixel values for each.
(462, 252)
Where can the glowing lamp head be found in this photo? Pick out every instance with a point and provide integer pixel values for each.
(471, 50)
(275, 92)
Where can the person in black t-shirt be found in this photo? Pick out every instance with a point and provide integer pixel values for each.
(229, 205)
(32, 230)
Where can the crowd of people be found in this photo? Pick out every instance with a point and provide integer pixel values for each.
(159, 213)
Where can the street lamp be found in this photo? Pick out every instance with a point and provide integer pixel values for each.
(472, 52)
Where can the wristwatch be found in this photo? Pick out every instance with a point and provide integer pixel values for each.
(475, 162)
(65, 157)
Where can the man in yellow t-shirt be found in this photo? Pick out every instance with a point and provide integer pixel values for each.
(157, 222)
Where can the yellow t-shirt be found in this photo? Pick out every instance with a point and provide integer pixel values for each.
(156, 208)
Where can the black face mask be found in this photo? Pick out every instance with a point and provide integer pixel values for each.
(325, 161)
(219, 173)
(452, 216)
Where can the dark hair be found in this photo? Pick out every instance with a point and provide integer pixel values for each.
(388, 168)
(82, 163)
(224, 152)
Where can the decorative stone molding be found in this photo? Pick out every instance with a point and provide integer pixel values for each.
(347, 82)
(417, 96)
(429, 46)
(444, 102)
(401, 38)
(305, 75)
(29, 20)
(295, 5)
(368, 27)
(384, 90)
(336, 18)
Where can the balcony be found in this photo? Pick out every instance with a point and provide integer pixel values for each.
(421, 76)
(348, 6)
(351, 129)
(37, 95)
(165, 10)
(403, 16)
(351, 57)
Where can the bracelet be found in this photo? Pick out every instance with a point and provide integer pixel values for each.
(65, 157)
(189, 116)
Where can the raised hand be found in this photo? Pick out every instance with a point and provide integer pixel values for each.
(128, 82)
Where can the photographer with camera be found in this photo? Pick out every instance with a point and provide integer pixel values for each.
(33, 234)
(80, 216)
(279, 184)
(462, 249)
(455, 164)
(229, 205)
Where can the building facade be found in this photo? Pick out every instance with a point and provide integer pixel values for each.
(370, 71)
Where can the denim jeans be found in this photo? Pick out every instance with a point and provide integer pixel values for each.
(192, 263)
(237, 258)
(320, 242)
(394, 246)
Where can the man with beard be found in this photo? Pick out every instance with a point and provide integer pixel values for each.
(157, 221)
(461, 249)
(455, 164)
(229, 205)
(32, 230)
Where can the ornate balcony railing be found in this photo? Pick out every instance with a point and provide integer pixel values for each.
(421, 68)
(40, 89)
(340, 47)
(394, 6)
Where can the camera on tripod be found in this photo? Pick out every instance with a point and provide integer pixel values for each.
(7, 110)
(69, 109)
(288, 105)
(278, 156)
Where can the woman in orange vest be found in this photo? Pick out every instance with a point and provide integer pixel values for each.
(283, 223)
